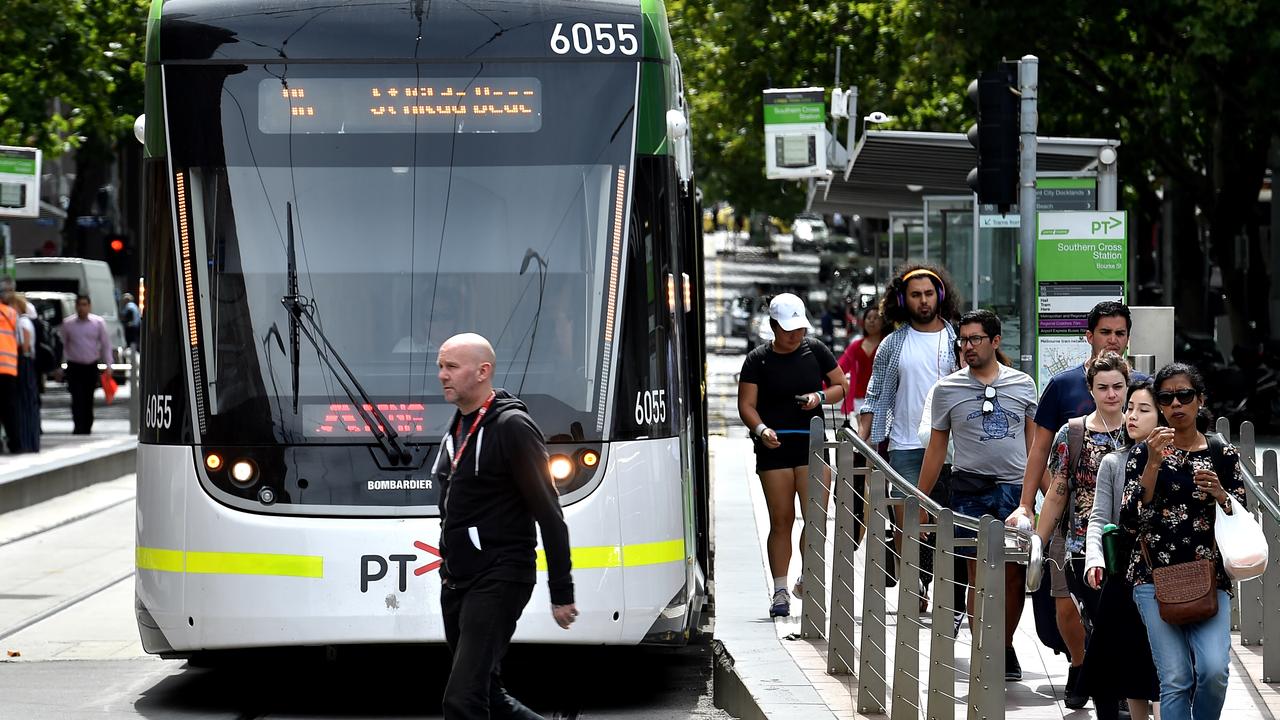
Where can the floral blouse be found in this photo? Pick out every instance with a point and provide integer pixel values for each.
(1178, 522)
(1084, 485)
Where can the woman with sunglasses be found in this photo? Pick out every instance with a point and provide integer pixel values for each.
(1073, 472)
(1118, 661)
(1173, 480)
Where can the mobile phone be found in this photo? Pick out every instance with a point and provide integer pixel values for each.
(802, 399)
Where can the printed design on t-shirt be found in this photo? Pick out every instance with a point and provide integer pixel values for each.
(997, 424)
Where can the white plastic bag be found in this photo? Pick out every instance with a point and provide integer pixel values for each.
(1240, 541)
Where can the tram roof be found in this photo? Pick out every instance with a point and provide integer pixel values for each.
(896, 168)
(393, 30)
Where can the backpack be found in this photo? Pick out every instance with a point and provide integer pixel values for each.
(48, 346)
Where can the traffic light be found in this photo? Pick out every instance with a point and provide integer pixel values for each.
(995, 136)
(116, 251)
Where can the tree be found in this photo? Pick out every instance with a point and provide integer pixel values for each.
(1190, 87)
(72, 79)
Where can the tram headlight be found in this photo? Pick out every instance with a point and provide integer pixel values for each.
(589, 458)
(213, 461)
(243, 472)
(561, 468)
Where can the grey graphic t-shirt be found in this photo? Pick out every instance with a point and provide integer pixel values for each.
(988, 427)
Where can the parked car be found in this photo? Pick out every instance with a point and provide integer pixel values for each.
(809, 232)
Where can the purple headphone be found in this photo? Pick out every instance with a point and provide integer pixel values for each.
(937, 284)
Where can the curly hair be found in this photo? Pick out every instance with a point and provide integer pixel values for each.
(892, 308)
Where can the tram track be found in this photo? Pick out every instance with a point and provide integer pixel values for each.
(64, 605)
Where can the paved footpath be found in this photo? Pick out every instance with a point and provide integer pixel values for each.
(785, 676)
(58, 445)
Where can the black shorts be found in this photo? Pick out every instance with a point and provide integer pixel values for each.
(793, 453)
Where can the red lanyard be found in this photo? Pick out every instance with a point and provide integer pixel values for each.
(457, 455)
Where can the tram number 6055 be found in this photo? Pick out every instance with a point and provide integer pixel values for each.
(604, 38)
(158, 414)
(651, 407)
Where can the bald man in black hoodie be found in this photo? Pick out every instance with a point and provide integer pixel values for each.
(494, 485)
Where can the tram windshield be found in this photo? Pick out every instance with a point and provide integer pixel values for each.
(409, 226)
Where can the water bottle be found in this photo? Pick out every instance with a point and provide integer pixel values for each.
(1111, 548)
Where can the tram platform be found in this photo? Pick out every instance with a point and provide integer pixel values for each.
(67, 462)
(765, 669)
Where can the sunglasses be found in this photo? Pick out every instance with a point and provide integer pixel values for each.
(1184, 396)
(988, 404)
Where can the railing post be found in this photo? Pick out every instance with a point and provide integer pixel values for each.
(906, 654)
(871, 668)
(841, 613)
(1271, 578)
(942, 650)
(986, 674)
(1248, 599)
(813, 615)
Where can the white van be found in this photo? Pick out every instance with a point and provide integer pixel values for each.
(80, 277)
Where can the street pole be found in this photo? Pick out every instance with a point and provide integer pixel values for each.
(1028, 82)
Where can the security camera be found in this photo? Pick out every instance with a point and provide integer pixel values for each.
(878, 117)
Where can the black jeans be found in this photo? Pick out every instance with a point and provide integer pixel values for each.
(479, 620)
(9, 410)
(82, 380)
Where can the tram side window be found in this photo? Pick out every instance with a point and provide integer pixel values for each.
(646, 404)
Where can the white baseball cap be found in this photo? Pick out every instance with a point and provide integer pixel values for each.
(788, 311)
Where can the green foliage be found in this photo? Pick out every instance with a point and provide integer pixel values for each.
(1186, 85)
(70, 71)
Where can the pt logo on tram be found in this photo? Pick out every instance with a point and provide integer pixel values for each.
(374, 567)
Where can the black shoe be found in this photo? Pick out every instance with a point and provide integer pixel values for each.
(1012, 668)
(1073, 697)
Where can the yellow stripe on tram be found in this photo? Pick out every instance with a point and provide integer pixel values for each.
(612, 556)
(161, 560)
(228, 563)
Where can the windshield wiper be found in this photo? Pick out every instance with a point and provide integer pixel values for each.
(301, 307)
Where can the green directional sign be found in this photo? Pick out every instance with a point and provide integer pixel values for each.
(1081, 260)
(19, 182)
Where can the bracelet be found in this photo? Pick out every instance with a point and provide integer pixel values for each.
(759, 430)
(822, 395)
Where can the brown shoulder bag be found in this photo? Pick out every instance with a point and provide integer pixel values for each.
(1186, 592)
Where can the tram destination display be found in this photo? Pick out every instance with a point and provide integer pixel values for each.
(400, 105)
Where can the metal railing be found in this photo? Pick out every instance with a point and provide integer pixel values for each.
(858, 642)
(1256, 606)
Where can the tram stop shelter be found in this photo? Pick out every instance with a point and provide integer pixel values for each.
(911, 193)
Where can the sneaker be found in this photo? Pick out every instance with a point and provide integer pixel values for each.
(959, 620)
(1072, 697)
(1012, 668)
(798, 589)
(781, 606)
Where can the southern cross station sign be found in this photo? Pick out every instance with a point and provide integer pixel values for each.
(19, 182)
(795, 144)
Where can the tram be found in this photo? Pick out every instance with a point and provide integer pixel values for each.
(332, 191)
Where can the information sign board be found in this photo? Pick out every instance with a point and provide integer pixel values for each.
(795, 134)
(1081, 260)
(19, 182)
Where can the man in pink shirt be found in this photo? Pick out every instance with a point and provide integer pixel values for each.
(84, 345)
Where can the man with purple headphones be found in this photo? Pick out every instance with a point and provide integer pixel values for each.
(917, 354)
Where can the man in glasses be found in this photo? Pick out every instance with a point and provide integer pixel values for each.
(1065, 397)
(987, 409)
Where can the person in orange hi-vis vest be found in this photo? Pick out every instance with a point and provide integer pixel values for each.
(8, 371)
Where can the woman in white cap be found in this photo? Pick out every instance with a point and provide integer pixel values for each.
(782, 385)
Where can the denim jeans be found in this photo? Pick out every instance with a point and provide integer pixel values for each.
(1191, 660)
(907, 463)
